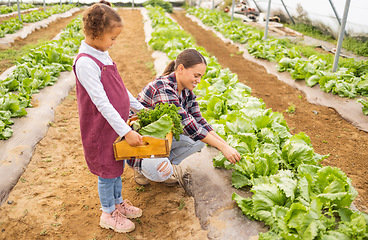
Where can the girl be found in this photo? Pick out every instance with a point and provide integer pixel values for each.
(103, 105)
(176, 86)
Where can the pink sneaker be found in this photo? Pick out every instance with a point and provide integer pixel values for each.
(117, 221)
(127, 208)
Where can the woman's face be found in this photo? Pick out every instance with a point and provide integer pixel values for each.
(189, 77)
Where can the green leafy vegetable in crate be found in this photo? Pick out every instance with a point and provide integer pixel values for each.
(162, 113)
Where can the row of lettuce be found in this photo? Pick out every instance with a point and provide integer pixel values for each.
(36, 70)
(351, 79)
(14, 24)
(13, 8)
(293, 194)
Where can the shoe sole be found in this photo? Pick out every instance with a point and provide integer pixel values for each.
(134, 216)
(142, 183)
(107, 226)
(170, 184)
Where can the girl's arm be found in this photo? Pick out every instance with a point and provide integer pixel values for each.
(135, 105)
(216, 141)
(89, 74)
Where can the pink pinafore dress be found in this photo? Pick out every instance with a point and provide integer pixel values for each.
(96, 133)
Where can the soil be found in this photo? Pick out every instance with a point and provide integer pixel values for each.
(37, 37)
(56, 197)
(3, 18)
(329, 133)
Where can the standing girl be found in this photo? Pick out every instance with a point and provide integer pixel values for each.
(103, 105)
(176, 86)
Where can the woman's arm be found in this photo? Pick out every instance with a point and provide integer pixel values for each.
(216, 141)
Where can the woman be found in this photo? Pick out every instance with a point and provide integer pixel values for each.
(176, 86)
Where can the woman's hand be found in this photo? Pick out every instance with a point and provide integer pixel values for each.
(231, 154)
(216, 141)
(133, 138)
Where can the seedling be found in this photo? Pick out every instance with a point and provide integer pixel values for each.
(291, 108)
(43, 232)
(138, 220)
(140, 189)
(181, 204)
(131, 237)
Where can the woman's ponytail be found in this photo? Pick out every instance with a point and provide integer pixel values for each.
(169, 69)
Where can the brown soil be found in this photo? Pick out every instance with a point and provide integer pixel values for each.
(329, 133)
(56, 197)
(2, 18)
(37, 37)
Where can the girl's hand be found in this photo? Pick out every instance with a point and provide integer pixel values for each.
(231, 154)
(133, 138)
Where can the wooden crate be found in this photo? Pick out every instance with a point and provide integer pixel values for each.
(153, 147)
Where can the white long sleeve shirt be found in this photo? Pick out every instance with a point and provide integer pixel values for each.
(89, 75)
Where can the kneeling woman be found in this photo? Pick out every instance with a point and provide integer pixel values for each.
(176, 86)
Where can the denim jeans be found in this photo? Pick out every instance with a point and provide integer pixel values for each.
(179, 151)
(109, 191)
(184, 148)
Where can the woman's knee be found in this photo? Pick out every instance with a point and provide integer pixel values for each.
(160, 171)
(201, 145)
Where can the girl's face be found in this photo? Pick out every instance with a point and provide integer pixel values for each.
(104, 42)
(189, 77)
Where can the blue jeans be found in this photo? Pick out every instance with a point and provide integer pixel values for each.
(179, 151)
(184, 148)
(109, 191)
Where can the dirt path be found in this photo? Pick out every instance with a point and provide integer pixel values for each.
(36, 37)
(329, 133)
(56, 197)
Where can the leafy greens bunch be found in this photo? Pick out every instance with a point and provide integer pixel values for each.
(162, 119)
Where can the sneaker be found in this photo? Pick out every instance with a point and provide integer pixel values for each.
(127, 208)
(171, 181)
(116, 221)
(140, 178)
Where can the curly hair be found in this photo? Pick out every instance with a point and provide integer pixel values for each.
(99, 19)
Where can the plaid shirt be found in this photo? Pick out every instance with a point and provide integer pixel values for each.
(165, 90)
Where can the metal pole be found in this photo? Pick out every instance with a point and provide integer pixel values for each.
(341, 35)
(44, 5)
(60, 3)
(282, 1)
(267, 19)
(232, 10)
(19, 15)
(213, 5)
(334, 10)
(255, 3)
(132, 3)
